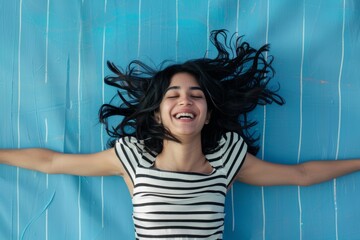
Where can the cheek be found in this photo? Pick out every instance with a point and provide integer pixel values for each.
(205, 107)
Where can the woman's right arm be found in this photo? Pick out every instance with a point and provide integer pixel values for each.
(104, 163)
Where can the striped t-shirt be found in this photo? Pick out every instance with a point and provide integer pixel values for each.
(180, 205)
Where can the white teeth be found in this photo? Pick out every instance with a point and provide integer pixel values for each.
(184, 115)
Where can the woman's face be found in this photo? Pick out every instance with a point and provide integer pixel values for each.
(183, 109)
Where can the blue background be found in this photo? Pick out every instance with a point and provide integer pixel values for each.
(52, 56)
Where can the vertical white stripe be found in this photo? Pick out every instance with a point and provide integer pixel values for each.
(79, 93)
(19, 75)
(79, 121)
(18, 122)
(207, 29)
(264, 124)
(139, 30)
(340, 113)
(301, 117)
(237, 17)
(266, 57)
(339, 80)
(267, 22)
(232, 188)
(176, 30)
(47, 40)
(301, 83)
(263, 212)
(103, 101)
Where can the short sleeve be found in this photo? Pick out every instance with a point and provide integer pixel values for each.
(230, 155)
(131, 154)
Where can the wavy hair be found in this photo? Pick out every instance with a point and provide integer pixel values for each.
(234, 83)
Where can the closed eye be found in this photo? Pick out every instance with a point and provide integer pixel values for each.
(172, 96)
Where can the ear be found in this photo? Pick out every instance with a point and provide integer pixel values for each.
(157, 117)
(208, 117)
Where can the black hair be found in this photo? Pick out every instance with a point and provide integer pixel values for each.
(234, 83)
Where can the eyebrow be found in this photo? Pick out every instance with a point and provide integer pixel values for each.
(178, 87)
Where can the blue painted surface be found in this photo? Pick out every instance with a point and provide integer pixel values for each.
(52, 57)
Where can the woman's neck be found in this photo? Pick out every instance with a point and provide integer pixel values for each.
(186, 156)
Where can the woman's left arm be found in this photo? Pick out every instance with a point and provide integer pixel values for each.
(261, 173)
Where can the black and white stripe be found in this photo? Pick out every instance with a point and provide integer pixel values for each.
(180, 205)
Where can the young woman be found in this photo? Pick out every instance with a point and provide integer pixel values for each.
(183, 141)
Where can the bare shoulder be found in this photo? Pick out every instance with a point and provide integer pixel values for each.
(108, 161)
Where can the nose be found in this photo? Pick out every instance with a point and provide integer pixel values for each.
(185, 101)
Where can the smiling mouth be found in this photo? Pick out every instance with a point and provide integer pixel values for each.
(184, 116)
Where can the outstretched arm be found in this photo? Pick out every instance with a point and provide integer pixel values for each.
(48, 161)
(258, 172)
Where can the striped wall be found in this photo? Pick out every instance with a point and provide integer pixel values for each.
(52, 56)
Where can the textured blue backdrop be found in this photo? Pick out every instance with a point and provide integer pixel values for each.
(52, 56)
